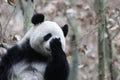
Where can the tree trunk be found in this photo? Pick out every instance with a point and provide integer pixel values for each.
(99, 8)
(73, 48)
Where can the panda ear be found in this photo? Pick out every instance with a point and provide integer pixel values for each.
(37, 18)
(65, 30)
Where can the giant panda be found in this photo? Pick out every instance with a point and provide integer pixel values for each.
(40, 55)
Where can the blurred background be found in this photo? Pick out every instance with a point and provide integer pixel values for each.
(81, 17)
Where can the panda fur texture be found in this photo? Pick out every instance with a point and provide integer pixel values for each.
(39, 55)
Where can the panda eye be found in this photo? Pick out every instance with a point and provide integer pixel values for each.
(48, 36)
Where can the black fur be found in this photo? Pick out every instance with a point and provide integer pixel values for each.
(37, 18)
(15, 55)
(48, 36)
(65, 30)
(58, 68)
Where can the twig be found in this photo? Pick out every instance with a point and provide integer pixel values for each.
(109, 53)
(89, 32)
(118, 30)
(4, 45)
(8, 20)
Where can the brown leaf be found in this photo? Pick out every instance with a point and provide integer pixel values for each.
(11, 2)
(80, 6)
(81, 19)
(81, 50)
(82, 66)
(85, 47)
(97, 20)
(69, 53)
(112, 61)
(91, 57)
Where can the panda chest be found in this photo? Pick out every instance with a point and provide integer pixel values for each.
(27, 71)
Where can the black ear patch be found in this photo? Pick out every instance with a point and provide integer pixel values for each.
(37, 18)
(65, 30)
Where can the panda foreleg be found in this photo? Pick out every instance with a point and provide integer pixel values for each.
(58, 68)
(5, 66)
(7, 61)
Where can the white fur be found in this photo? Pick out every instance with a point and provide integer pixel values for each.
(26, 37)
(37, 42)
(36, 34)
(20, 71)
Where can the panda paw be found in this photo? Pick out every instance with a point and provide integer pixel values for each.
(55, 44)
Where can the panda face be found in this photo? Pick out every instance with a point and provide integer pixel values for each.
(43, 34)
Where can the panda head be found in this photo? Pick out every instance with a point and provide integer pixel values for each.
(43, 32)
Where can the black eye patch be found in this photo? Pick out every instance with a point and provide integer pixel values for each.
(48, 36)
